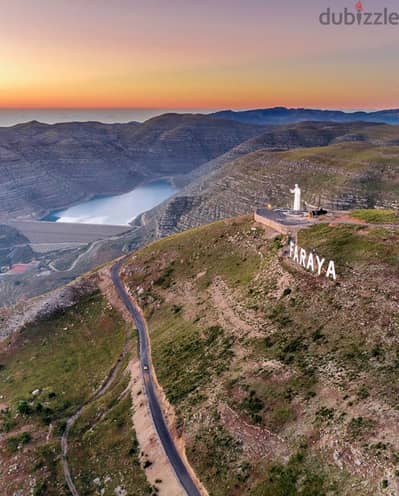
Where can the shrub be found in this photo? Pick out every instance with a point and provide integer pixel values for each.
(39, 488)
(325, 413)
(16, 442)
(360, 426)
(24, 408)
(363, 393)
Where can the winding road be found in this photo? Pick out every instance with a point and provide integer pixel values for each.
(180, 468)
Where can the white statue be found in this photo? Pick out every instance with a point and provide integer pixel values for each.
(297, 199)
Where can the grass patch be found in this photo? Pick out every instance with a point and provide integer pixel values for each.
(66, 357)
(352, 244)
(216, 454)
(376, 216)
(15, 443)
(216, 247)
(303, 475)
(104, 451)
(186, 356)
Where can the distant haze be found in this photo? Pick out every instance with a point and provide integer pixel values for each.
(10, 117)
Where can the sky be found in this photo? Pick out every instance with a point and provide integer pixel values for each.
(194, 54)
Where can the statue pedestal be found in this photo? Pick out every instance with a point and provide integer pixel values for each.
(284, 220)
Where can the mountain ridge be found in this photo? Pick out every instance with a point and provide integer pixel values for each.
(257, 173)
(284, 115)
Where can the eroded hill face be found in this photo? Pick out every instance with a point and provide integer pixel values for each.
(231, 168)
(283, 382)
(337, 166)
(45, 167)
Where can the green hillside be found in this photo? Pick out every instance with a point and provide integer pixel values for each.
(283, 382)
(51, 369)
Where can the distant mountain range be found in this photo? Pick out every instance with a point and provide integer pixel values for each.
(283, 115)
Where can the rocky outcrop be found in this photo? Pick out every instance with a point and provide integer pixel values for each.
(14, 319)
(14, 246)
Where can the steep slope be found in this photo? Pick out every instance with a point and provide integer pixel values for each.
(283, 382)
(74, 418)
(353, 165)
(45, 167)
(48, 371)
(283, 115)
(14, 247)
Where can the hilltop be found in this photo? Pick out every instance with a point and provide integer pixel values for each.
(279, 381)
(338, 166)
(283, 382)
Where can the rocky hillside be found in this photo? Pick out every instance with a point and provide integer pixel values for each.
(337, 165)
(283, 382)
(14, 247)
(44, 167)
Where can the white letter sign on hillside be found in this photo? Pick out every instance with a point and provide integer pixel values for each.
(312, 262)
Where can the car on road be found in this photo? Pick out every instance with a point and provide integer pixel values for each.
(145, 367)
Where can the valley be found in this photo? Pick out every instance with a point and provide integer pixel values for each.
(219, 173)
(44, 168)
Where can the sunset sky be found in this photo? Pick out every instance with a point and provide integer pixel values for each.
(193, 54)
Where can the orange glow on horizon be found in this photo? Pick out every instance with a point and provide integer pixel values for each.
(190, 55)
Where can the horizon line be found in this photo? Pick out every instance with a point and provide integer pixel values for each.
(209, 109)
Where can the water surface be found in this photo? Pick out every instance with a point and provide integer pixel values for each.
(116, 210)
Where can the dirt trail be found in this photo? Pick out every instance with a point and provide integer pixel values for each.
(71, 420)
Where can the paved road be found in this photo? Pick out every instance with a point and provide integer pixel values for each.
(168, 444)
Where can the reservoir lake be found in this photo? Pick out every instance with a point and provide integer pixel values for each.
(118, 209)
